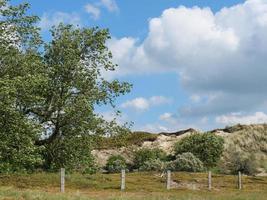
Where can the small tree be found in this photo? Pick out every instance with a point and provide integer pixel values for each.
(187, 162)
(144, 155)
(208, 147)
(115, 163)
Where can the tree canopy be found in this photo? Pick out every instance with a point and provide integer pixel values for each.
(49, 91)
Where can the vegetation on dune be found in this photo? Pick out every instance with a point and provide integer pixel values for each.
(145, 157)
(245, 150)
(124, 140)
(208, 147)
(187, 162)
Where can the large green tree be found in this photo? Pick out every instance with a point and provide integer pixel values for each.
(20, 77)
(49, 91)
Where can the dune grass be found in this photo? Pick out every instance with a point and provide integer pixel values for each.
(150, 186)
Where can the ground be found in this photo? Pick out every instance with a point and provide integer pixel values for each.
(140, 186)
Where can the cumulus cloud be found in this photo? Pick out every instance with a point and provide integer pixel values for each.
(153, 128)
(240, 118)
(94, 11)
(220, 57)
(111, 5)
(52, 19)
(110, 115)
(142, 104)
(168, 117)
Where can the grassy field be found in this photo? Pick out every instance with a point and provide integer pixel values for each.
(150, 186)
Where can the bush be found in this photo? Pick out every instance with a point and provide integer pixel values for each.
(153, 165)
(239, 161)
(115, 164)
(208, 147)
(187, 162)
(144, 155)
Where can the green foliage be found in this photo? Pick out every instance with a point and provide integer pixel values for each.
(74, 154)
(20, 78)
(17, 153)
(208, 147)
(187, 162)
(124, 140)
(239, 161)
(115, 164)
(153, 165)
(48, 92)
(144, 155)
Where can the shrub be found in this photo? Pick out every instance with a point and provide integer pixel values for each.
(115, 164)
(153, 165)
(144, 155)
(208, 147)
(239, 161)
(187, 162)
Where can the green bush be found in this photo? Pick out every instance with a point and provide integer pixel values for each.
(208, 147)
(153, 165)
(144, 155)
(239, 161)
(115, 164)
(187, 162)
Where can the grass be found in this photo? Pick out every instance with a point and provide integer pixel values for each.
(140, 186)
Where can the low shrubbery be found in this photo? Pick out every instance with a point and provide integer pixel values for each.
(145, 157)
(187, 162)
(208, 147)
(115, 164)
(153, 165)
(237, 161)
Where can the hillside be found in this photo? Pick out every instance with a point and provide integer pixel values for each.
(246, 138)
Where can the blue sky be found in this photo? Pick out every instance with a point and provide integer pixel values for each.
(193, 63)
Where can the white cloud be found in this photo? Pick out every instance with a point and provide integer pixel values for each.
(52, 19)
(111, 5)
(142, 104)
(219, 56)
(168, 117)
(195, 98)
(159, 100)
(94, 11)
(137, 104)
(109, 116)
(153, 128)
(239, 118)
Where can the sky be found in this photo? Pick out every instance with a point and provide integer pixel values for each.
(193, 63)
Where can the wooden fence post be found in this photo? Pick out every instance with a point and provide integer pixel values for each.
(62, 180)
(122, 179)
(168, 180)
(209, 180)
(239, 180)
